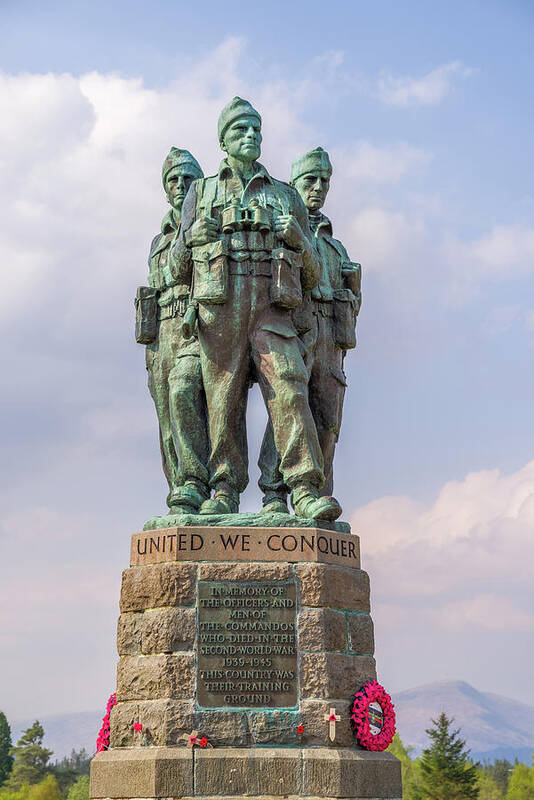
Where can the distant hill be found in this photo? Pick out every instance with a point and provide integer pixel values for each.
(493, 726)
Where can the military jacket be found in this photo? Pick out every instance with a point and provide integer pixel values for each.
(336, 266)
(170, 293)
(338, 291)
(224, 197)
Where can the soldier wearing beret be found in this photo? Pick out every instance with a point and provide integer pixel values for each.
(245, 245)
(326, 323)
(173, 361)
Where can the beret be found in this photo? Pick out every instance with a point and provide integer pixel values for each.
(233, 110)
(180, 158)
(311, 161)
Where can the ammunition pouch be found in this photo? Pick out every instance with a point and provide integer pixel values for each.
(177, 307)
(324, 308)
(260, 244)
(248, 267)
(210, 272)
(189, 320)
(146, 315)
(286, 289)
(303, 316)
(345, 313)
(352, 276)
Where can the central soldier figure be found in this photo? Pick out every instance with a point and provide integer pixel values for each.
(245, 246)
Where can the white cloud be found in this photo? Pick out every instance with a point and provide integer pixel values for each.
(428, 90)
(485, 611)
(395, 247)
(330, 63)
(367, 162)
(384, 235)
(82, 196)
(468, 555)
(451, 583)
(433, 267)
(504, 253)
(81, 190)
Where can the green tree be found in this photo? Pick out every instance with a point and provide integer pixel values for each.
(488, 787)
(6, 759)
(31, 758)
(80, 789)
(19, 794)
(500, 771)
(410, 767)
(47, 789)
(69, 769)
(521, 785)
(446, 771)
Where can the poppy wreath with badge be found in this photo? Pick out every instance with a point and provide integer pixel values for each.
(373, 717)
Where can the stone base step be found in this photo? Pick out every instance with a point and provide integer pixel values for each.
(258, 772)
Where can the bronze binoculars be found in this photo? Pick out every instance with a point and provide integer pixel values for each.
(253, 217)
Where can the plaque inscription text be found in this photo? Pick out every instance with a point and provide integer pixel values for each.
(198, 543)
(247, 649)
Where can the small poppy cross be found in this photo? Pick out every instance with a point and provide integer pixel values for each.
(191, 738)
(332, 718)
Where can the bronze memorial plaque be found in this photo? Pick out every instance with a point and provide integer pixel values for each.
(247, 649)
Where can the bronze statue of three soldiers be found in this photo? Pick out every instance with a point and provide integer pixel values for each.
(247, 284)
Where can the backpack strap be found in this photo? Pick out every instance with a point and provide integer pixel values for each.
(206, 194)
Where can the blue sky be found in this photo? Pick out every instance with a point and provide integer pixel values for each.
(426, 110)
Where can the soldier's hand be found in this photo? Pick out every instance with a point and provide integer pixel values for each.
(288, 228)
(202, 231)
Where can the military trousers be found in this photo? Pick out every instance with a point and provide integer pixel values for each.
(326, 388)
(247, 339)
(175, 384)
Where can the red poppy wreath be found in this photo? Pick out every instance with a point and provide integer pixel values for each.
(373, 717)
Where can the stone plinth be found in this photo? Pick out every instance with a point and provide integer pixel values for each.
(249, 639)
(158, 640)
(154, 772)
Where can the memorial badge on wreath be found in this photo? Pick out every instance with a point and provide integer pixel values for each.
(373, 717)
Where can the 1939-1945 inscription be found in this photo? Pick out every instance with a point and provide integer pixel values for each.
(247, 653)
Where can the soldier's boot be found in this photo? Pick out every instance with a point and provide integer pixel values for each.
(224, 501)
(275, 503)
(307, 503)
(188, 498)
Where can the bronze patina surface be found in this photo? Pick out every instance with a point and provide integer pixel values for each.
(326, 324)
(173, 359)
(247, 647)
(247, 285)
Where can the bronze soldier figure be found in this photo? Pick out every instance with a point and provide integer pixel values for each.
(326, 323)
(173, 360)
(245, 245)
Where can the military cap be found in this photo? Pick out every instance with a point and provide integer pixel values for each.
(311, 161)
(233, 110)
(180, 158)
